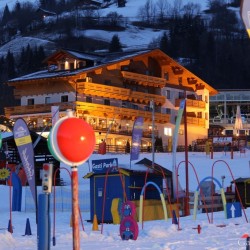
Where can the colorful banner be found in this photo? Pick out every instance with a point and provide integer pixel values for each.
(25, 148)
(245, 14)
(175, 142)
(136, 139)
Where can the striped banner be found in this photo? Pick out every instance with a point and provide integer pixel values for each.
(25, 149)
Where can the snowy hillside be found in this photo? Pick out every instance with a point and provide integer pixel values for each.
(132, 37)
(131, 6)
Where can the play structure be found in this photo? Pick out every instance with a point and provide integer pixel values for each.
(208, 201)
(112, 185)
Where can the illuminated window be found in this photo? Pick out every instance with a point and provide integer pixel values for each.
(168, 131)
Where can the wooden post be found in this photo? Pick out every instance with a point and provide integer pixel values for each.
(75, 209)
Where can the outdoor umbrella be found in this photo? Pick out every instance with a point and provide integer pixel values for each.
(238, 120)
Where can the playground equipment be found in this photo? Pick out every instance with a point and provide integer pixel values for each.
(162, 200)
(197, 194)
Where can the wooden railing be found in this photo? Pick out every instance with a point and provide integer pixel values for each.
(37, 108)
(96, 89)
(192, 103)
(201, 122)
(144, 79)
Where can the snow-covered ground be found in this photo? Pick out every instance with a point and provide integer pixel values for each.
(221, 234)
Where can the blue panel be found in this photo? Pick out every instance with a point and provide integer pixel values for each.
(43, 225)
(17, 192)
(113, 190)
(233, 210)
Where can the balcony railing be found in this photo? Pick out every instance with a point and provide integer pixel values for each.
(144, 79)
(37, 108)
(192, 103)
(96, 89)
(146, 98)
(201, 122)
(83, 108)
(122, 113)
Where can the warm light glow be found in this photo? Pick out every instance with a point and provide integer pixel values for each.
(168, 131)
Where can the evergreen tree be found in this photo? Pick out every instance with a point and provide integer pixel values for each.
(164, 43)
(115, 45)
(6, 15)
(10, 65)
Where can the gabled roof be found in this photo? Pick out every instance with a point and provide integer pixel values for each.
(148, 163)
(110, 59)
(63, 53)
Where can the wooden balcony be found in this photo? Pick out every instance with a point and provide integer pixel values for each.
(146, 98)
(200, 122)
(118, 112)
(95, 89)
(37, 108)
(144, 80)
(192, 103)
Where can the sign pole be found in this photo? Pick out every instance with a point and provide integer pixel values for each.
(75, 209)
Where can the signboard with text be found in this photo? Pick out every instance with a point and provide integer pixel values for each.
(222, 139)
(101, 166)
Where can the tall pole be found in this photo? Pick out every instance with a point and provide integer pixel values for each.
(187, 211)
(153, 132)
(75, 209)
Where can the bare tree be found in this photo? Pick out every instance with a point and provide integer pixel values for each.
(163, 7)
(176, 9)
(191, 9)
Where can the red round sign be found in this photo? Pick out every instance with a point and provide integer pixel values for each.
(75, 139)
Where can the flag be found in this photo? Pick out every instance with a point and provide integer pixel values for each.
(54, 114)
(175, 142)
(26, 152)
(136, 139)
(245, 14)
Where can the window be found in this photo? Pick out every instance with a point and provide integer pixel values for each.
(64, 98)
(181, 95)
(124, 104)
(31, 101)
(89, 99)
(168, 111)
(71, 66)
(168, 94)
(107, 102)
(47, 99)
(199, 114)
(135, 106)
